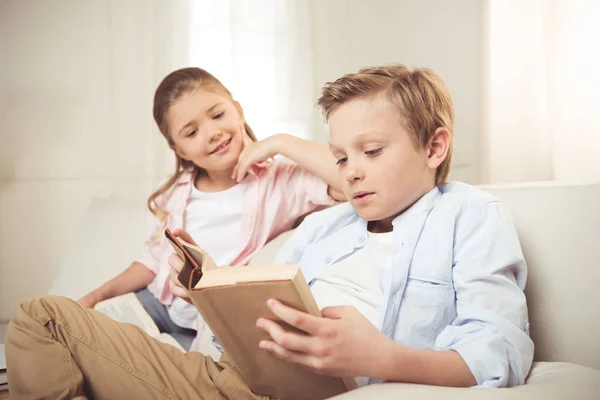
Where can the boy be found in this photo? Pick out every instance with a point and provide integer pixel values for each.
(420, 280)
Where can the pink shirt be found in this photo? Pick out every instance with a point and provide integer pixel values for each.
(278, 194)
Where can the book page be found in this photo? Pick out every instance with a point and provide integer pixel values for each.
(168, 339)
(243, 274)
(127, 308)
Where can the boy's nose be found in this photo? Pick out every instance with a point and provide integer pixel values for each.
(354, 174)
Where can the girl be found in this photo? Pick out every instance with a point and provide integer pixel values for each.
(226, 192)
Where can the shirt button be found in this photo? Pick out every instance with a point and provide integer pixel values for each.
(361, 239)
(328, 259)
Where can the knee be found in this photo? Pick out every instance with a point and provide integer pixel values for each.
(42, 309)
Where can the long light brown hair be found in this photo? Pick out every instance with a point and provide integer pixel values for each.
(171, 89)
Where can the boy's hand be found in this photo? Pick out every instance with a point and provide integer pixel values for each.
(255, 153)
(343, 343)
(176, 264)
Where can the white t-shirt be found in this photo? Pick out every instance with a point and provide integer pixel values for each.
(214, 222)
(354, 281)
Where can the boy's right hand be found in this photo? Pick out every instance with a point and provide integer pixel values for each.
(176, 264)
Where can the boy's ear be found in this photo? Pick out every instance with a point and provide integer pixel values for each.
(439, 144)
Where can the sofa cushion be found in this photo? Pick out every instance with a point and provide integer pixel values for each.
(266, 255)
(559, 226)
(546, 381)
(111, 236)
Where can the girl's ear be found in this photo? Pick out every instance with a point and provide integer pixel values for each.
(438, 148)
(178, 152)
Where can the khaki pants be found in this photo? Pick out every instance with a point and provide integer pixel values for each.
(56, 349)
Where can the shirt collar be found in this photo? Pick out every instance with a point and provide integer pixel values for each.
(424, 204)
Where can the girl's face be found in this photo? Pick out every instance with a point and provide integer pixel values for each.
(206, 128)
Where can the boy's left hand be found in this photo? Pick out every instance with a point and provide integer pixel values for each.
(343, 343)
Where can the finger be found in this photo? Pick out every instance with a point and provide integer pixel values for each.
(237, 164)
(292, 357)
(335, 312)
(246, 140)
(178, 291)
(180, 233)
(244, 163)
(235, 168)
(288, 340)
(240, 166)
(174, 275)
(242, 171)
(175, 262)
(298, 319)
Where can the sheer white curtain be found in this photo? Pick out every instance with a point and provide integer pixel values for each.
(146, 41)
(543, 91)
(261, 51)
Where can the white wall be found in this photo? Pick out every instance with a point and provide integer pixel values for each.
(76, 86)
(542, 90)
(446, 36)
(77, 80)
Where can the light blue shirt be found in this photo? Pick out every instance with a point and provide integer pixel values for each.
(457, 278)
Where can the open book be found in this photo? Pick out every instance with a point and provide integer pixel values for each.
(128, 308)
(231, 299)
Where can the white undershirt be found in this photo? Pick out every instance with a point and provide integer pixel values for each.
(214, 221)
(355, 281)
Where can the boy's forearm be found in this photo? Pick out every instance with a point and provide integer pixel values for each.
(314, 156)
(429, 367)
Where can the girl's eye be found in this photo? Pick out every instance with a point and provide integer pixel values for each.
(373, 153)
(342, 161)
(191, 133)
(219, 115)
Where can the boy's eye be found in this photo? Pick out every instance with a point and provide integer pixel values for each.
(374, 153)
(219, 115)
(342, 161)
(191, 133)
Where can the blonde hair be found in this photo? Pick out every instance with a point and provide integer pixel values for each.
(170, 90)
(420, 95)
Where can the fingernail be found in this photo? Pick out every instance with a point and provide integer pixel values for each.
(262, 345)
(271, 302)
(260, 324)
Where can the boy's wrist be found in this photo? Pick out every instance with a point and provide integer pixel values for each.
(392, 361)
(430, 367)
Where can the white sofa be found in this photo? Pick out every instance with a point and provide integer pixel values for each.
(559, 228)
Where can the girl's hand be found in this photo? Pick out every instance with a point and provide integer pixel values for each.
(176, 264)
(89, 300)
(343, 343)
(255, 153)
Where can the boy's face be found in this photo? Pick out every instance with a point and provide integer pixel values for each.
(380, 170)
